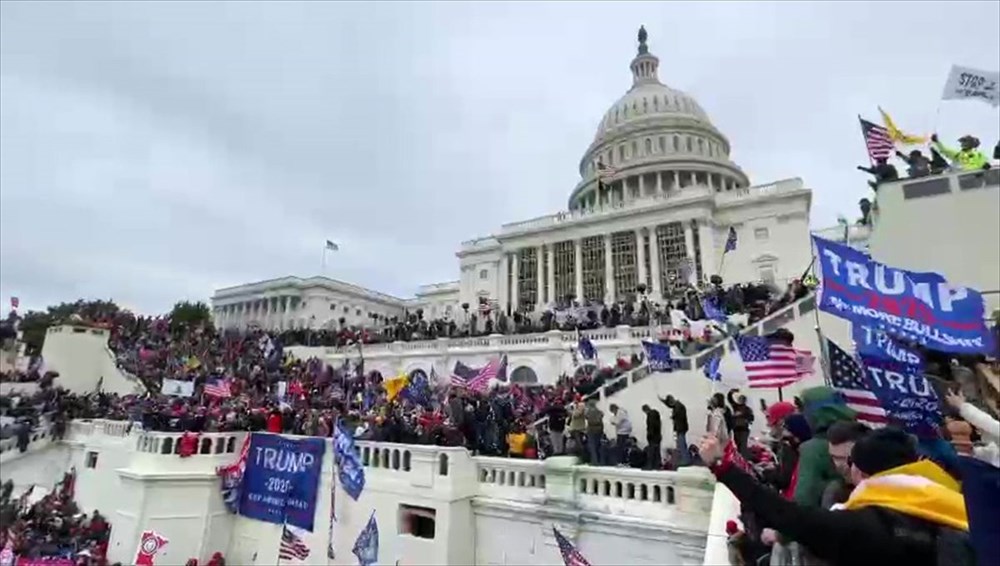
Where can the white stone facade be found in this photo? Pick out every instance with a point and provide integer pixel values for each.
(668, 196)
(293, 302)
(485, 510)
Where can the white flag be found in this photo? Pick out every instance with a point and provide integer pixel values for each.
(964, 82)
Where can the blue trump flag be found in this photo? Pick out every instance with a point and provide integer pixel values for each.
(658, 356)
(877, 343)
(587, 349)
(712, 368)
(919, 307)
(281, 479)
(366, 547)
(418, 389)
(349, 468)
(981, 490)
(712, 310)
(906, 396)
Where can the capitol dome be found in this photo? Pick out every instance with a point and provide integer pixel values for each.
(654, 139)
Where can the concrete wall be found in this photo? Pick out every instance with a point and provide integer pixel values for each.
(81, 356)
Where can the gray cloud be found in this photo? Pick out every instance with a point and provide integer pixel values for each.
(155, 151)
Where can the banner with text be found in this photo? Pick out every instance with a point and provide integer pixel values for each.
(966, 82)
(282, 479)
(914, 306)
(177, 388)
(877, 343)
(905, 394)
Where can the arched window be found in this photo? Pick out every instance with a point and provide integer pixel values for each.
(677, 144)
(635, 150)
(649, 146)
(663, 144)
(524, 375)
(701, 146)
(625, 111)
(645, 105)
(656, 104)
(689, 144)
(621, 154)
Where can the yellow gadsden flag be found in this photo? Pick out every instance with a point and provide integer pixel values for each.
(394, 385)
(898, 135)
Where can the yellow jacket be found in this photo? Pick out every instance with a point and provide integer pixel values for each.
(967, 159)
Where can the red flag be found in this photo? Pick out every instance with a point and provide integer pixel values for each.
(150, 543)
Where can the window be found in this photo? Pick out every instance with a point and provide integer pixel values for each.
(760, 234)
(635, 149)
(347, 309)
(663, 145)
(766, 273)
(333, 306)
(416, 521)
(357, 312)
(649, 146)
(91, 461)
(484, 273)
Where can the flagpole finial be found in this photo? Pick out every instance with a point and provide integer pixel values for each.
(643, 48)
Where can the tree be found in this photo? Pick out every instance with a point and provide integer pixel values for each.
(35, 323)
(186, 314)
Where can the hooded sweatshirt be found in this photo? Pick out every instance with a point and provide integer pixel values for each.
(823, 407)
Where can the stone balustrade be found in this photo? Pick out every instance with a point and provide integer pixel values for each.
(557, 339)
(37, 438)
(655, 495)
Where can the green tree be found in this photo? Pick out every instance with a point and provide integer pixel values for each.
(186, 314)
(35, 323)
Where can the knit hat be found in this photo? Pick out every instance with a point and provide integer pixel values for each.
(798, 426)
(882, 450)
(778, 411)
(823, 406)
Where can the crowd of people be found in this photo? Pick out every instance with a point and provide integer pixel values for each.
(753, 300)
(52, 526)
(834, 491)
(943, 159)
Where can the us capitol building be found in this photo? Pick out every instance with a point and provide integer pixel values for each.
(657, 196)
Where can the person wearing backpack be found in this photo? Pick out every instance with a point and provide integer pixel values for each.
(903, 510)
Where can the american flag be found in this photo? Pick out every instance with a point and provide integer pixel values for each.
(495, 369)
(768, 365)
(461, 375)
(877, 140)
(847, 377)
(217, 388)
(604, 172)
(570, 555)
(292, 546)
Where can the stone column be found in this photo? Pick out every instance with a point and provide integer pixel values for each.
(640, 257)
(659, 182)
(503, 278)
(675, 182)
(654, 264)
(706, 236)
(540, 278)
(514, 291)
(609, 272)
(642, 187)
(551, 274)
(689, 243)
(578, 268)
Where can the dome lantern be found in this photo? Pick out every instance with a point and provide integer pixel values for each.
(645, 64)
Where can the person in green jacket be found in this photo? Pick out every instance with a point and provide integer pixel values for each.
(969, 158)
(822, 406)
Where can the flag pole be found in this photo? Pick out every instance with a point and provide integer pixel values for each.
(824, 361)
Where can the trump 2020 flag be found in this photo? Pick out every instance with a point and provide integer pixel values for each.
(366, 546)
(905, 394)
(349, 469)
(586, 348)
(658, 356)
(712, 368)
(915, 306)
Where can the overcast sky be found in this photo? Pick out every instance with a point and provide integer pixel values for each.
(151, 152)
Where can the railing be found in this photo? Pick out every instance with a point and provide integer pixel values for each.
(767, 325)
(624, 335)
(509, 478)
(209, 443)
(9, 445)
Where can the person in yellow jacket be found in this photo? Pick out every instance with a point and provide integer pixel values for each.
(969, 158)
